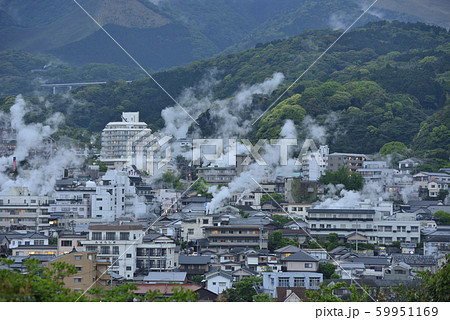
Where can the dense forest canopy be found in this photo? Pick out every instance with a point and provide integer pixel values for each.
(386, 81)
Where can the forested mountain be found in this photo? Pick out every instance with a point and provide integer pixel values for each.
(380, 83)
(163, 34)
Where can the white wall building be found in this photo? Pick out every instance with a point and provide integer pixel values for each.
(312, 167)
(19, 210)
(116, 197)
(125, 142)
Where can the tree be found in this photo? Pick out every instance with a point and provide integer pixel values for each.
(279, 220)
(444, 217)
(325, 293)
(242, 290)
(271, 197)
(197, 279)
(442, 194)
(276, 241)
(264, 297)
(394, 147)
(351, 180)
(327, 269)
(433, 287)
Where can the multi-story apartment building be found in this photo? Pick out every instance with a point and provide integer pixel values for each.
(129, 250)
(375, 171)
(217, 175)
(377, 224)
(156, 253)
(121, 142)
(274, 280)
(115, 197)
(234, 236)
(91, 272)
(19, 210)
(312, 167)
(353, 161)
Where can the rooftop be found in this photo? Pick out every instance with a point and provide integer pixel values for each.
(300, 256)
(115, 227)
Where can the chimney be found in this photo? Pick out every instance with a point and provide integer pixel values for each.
(14, 164)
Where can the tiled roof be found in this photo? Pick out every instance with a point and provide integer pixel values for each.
(413, 259)
(194, 259)
(288, 249)
(116, 227)
(300, 256)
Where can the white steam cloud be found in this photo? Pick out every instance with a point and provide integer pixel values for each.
(43, 171)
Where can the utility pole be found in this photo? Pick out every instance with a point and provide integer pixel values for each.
(356, 235)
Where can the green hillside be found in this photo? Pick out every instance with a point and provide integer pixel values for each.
(380, 83)
(172, 33)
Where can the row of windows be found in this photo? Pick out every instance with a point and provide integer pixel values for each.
(236, 240)
(298, 282)
(111, 236)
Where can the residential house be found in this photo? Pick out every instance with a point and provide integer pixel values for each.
(242, 273)
(27, 250)
(167, 290)
(286, 251)
(398, 271)
(285, 294)
(218, 280)
(194, 265)
(416, 261)
(17, 239)
(165, 277)
(300, 261)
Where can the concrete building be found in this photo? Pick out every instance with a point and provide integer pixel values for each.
(19, 210)
(274, 280)
(117, 244)
(312, 167)
(353, 161)
(217, 175)
(91, 272)
(70, 242)
(375, 171)
(231, 236)
(115, 196)
(377, 224)
(125, 142)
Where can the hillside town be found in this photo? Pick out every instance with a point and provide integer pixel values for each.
(118, 222)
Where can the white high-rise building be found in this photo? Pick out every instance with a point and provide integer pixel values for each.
(116, 197)
(124, 143)
(312, 167)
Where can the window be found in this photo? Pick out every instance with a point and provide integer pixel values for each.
(128, 255)
(110, 236)
(205, 221)
(78, 258)
(77, 280)
(414, 228)
(222, 284)
(299, 282)
(190, 231)
(400, 272)
(79, 269)
(115, 250)
(314, 281)
(128, 268)
(66, 243)
(283, 281)
(387, 228)
(96, 236)
(38, 242)
(104, 250)
(308, 265)
(124, 236)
